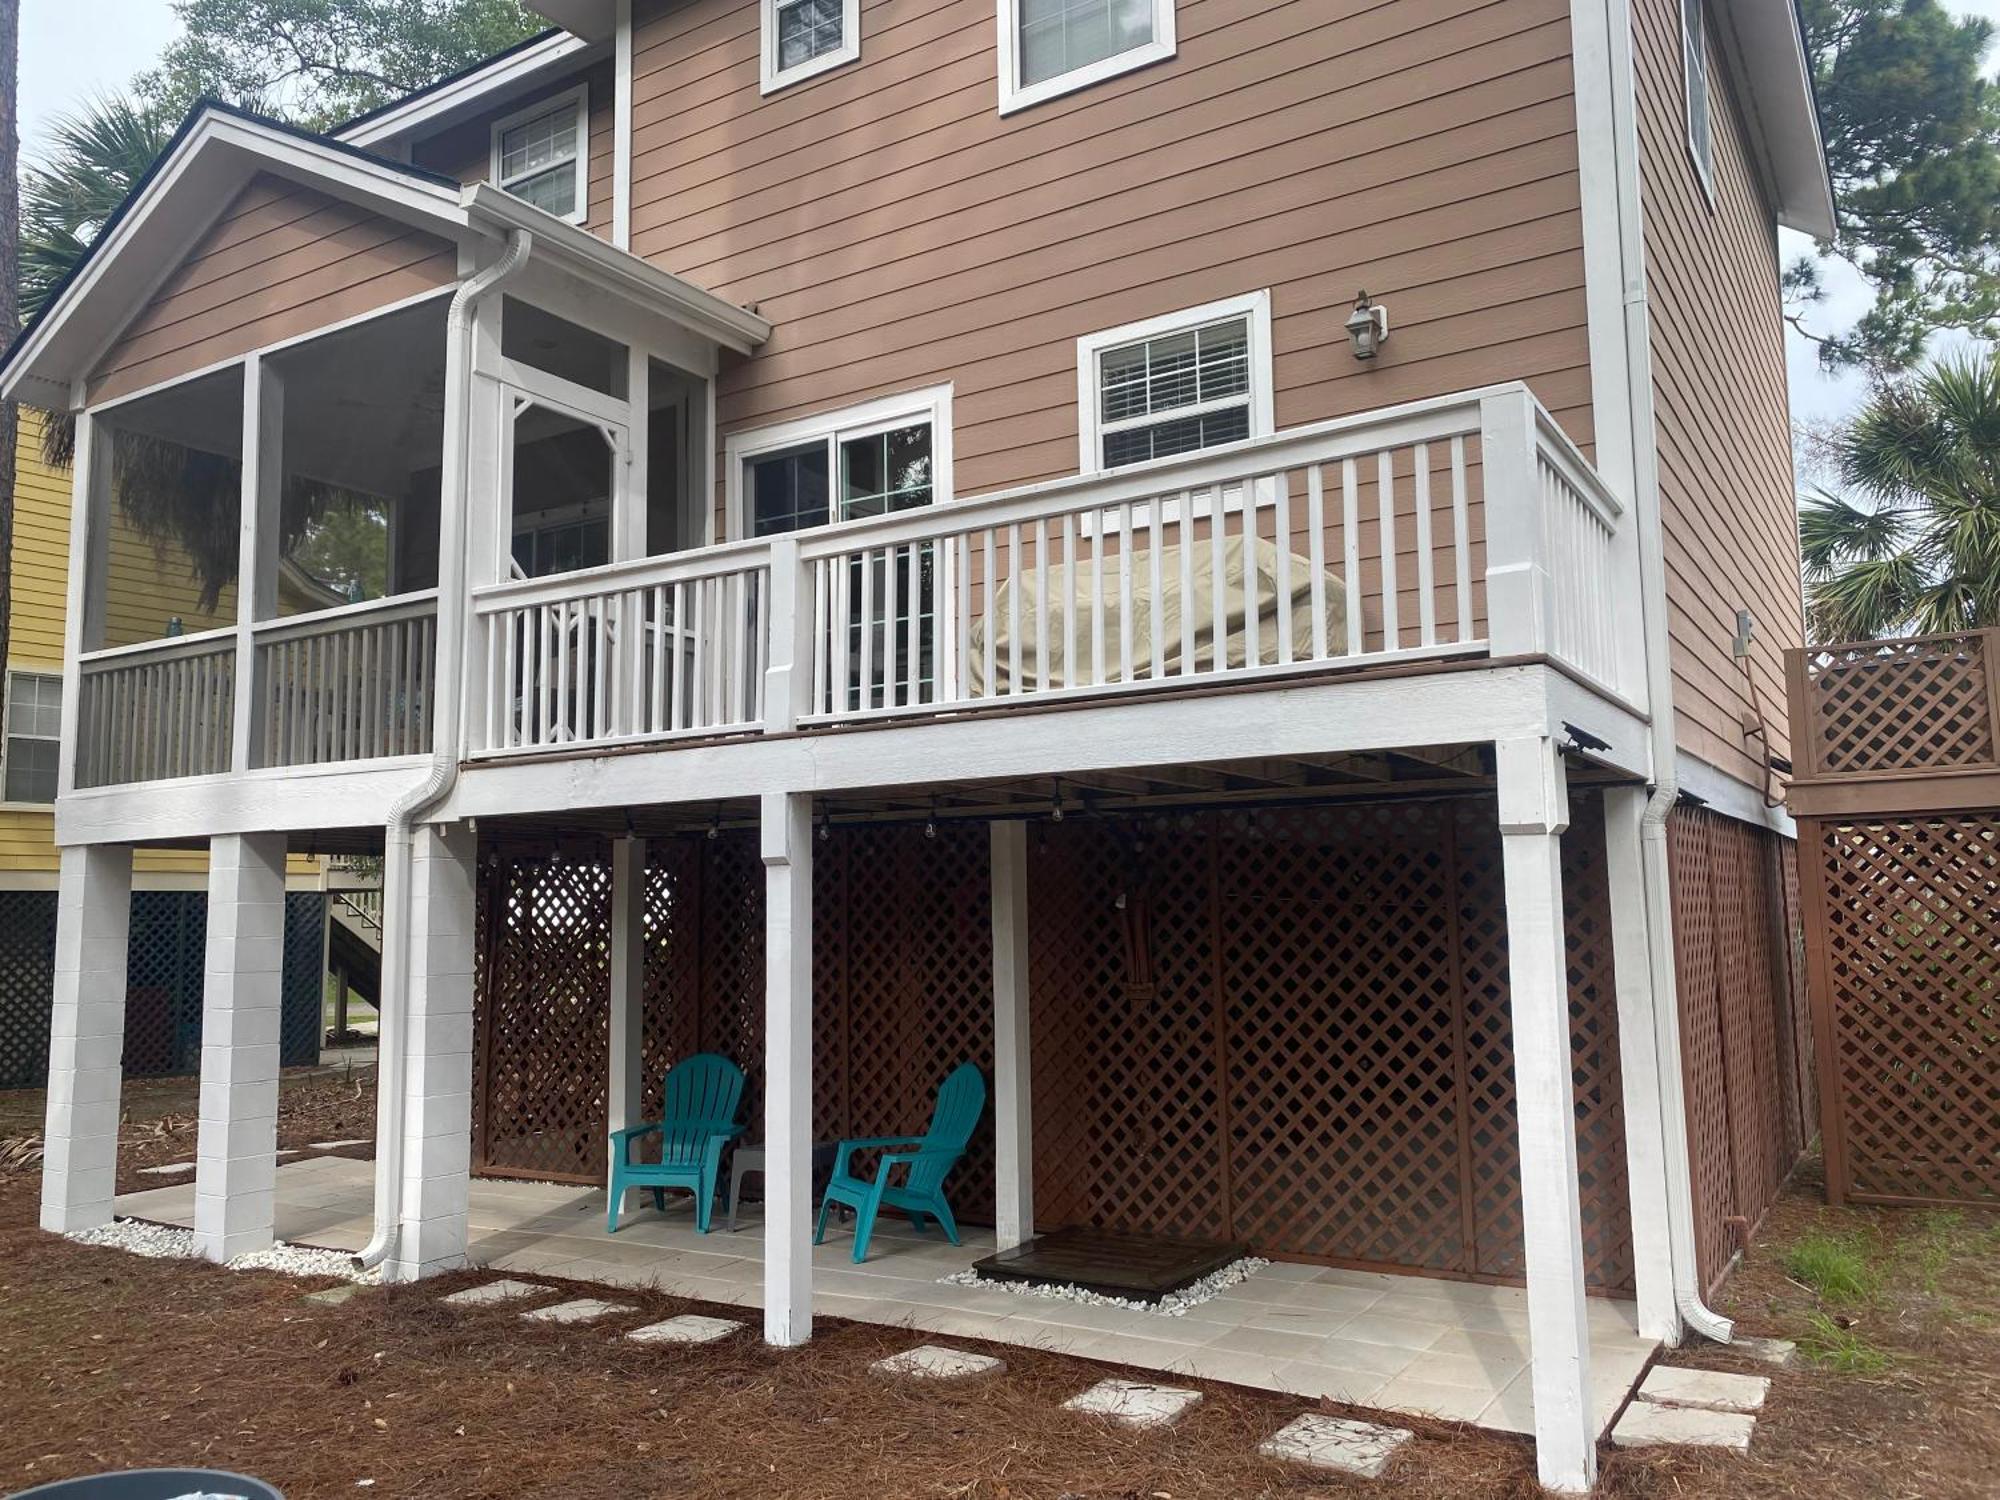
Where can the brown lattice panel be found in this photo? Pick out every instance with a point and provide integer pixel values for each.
(1743, 1023)
(1924, 704)
(1907, 988)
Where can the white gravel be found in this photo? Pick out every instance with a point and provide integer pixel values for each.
(1173, 1305)
(164, 1242)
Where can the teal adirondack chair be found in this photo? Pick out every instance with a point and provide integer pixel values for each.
(701, 1095)
(924, 1160)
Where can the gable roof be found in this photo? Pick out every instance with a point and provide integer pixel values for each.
(485, 85)
(216, 151)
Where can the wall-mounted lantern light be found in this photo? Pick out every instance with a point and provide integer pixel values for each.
(1367, 327)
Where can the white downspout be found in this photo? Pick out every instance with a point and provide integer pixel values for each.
(452, 608)
(1659, 684)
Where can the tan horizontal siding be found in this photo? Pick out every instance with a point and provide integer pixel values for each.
(465, 151)
(281, 261)
(898, 232)
(1721, 407)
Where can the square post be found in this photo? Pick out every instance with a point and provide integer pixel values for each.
(236, 1145)
(787, 851)
(1534, 810)
(437, 1073)
(628, 984)
(86, 1037)
(1638, 1063)
(1013, 1103)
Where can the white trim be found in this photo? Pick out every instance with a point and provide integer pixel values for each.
(577, 100)
(932, 404)
(621, 130)
(1724, 794)
(1694, 49)
(54, 674)
(517, 69)
(771, 77)
(1015, 95)
(1254, 306)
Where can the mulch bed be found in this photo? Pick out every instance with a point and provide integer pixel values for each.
(109, 1361)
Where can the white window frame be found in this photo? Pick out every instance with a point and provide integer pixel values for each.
(578, 99)
(833, 428)
(772, 77)
(1015, 95)
(1698, 94)
(1091, 348)
(54, 674)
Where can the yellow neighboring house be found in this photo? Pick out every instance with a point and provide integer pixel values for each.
(147, 591)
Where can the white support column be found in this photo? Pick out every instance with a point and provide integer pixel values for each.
(628, 983)
(1638, 1064)
(437, 1072)
(236, 1151)
(1013, 1105)
(788, 851)
(1534, 810)
(258, 526)
(86, 1037)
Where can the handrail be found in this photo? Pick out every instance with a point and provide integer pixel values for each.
(163, 648)
(328, 621)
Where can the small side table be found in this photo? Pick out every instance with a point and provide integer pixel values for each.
(749, 1158)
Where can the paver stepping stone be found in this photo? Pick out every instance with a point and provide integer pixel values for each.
(494, 1291)
(1779, 1352)
(582, 1310)
(935, 1362)
(1648, 1424)
(1708, 1390)
(171, 1169)
(1133, 1403)
(336, 1145)
(688, 1328)
(1323, 1442)
(333, 1296)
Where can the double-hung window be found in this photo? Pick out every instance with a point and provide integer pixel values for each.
(1700, 108)
(540, 154)
(1049, 47)
(1177, 384)
(803, 38)
(872, 460)
(34, 736)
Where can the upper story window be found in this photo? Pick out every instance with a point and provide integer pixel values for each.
(34, 735)
(869, 460)
(803, 38)
(1190, 380)
(1049, 47)
(1694, 62)
(541, 154)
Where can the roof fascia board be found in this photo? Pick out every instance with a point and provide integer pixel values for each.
(471, 92)
(1765, 47)
(617, 271)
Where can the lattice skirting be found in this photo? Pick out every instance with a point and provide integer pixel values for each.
(1746, 1030)
(1907, 989)
(163, 978)
(1286, 1027)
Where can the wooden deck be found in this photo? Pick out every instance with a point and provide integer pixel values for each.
(1136, 1267)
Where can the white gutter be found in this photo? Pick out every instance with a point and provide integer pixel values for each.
(453, 607)
(1659, 685)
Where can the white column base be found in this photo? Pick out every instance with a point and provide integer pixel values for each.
(437, 1077)
(236, 1165)
(1534, 810)
(86, 1038)
(788, 852)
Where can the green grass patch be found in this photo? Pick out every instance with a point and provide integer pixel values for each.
(1842, 1349)
(1836, 1267)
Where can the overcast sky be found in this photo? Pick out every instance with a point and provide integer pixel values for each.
(72, 49)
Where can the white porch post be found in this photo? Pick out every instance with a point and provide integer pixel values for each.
(1638, 1064)
(1534, 810)
(628, 983)
(1013, 1115)
(437, 1071)
(787, 850)
(236, 1149)
(86, 1036)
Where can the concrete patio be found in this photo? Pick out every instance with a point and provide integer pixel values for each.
(1412, 1344)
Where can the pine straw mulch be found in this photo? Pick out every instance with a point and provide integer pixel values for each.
(111, 1361)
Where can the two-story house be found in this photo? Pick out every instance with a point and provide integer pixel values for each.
(1225, 559)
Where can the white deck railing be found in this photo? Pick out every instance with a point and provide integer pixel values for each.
(1462, 526)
